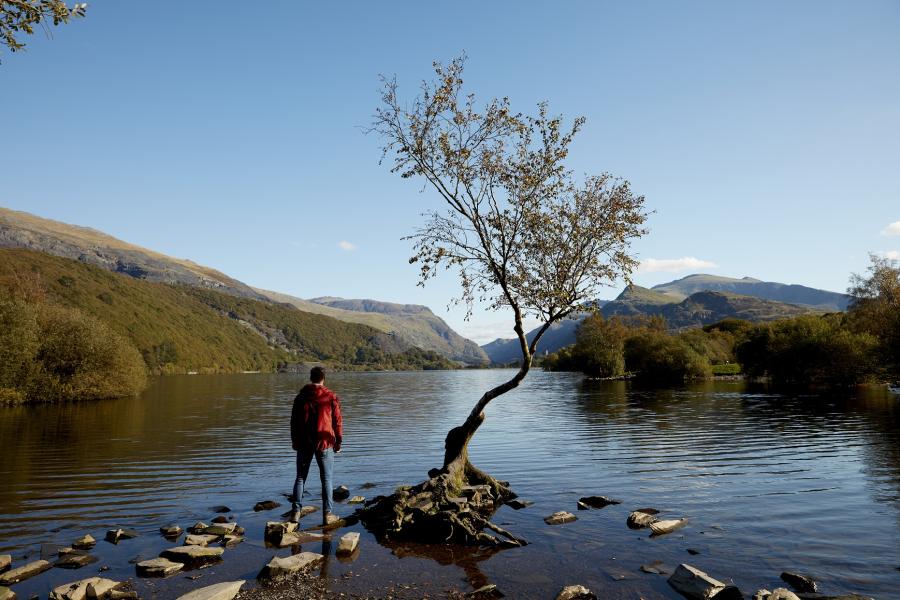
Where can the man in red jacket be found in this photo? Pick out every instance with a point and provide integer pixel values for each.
(317, 429)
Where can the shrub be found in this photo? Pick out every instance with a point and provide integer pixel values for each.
(660, 358)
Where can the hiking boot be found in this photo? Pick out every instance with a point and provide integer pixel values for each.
(295, 516)
(330, 519)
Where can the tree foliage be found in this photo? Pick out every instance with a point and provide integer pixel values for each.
(19, 17)
(875, 308)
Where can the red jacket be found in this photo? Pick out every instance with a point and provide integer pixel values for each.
(316, 420)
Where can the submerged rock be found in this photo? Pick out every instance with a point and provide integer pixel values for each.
(558, 518)
(349, 543)
(219, 591)
(356, 500)
(5, 562)
(201, 539)
(655, 568)
(801, 583)
(158, 567)
(79, 589)
(198, 527)
(367, 486)
(265, 505)
(221, 529)
(220, 519)
(114, 535)
(75, 560)
(193, 555)
(281, 567)
(519, 504)
(694, 583)
(25, 572)
(85, 543)
(575, 592)
(598, 501)
(664, 527)
(172, 531)
(230, 541)
(485, 592)
(220, 509)
(641, 518)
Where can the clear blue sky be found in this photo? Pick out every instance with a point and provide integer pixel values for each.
(765, 135)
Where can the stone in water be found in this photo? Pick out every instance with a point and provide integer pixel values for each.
(558, 518)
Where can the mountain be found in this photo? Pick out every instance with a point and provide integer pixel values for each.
(413, 324)
(23, 230)
(562, 333)
(766, 290)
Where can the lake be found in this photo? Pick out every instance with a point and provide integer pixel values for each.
(770, 482)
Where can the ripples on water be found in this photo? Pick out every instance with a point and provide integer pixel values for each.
(769, 482)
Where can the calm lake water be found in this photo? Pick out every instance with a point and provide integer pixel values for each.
(769, 482)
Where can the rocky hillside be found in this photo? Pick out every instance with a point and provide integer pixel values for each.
(747, 286)
(412, 324)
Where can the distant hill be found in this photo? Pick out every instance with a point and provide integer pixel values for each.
(766, 290)
(412, 324)
(562, 333)
(23, 230)
(179, 328)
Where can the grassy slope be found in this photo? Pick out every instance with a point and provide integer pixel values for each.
(160, 317)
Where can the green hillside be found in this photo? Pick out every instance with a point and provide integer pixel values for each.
(179, 328)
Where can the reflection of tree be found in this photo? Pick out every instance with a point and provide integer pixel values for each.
(465, 557)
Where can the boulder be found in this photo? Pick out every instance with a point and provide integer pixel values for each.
(641, 518)
(158, 567)
(281, 567)
(5, 562)
(84, 543)
(277, 530)
(694, 583)
(25, 572)
(201, 539)
(79, 589)
(75, 560)
(356, 500)
(598, 501)
(193, 555)
(7, 594)
(172, 531)
(801, 583)
(219, 591)
(114, 535)
(341, 492)
(782, 594)
(664, 527)
(558, 518)
(265, 505)
(575, 592)
(349, 543)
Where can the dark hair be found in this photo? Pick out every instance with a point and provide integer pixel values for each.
(317, 375)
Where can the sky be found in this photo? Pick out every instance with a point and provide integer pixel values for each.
(764, 135)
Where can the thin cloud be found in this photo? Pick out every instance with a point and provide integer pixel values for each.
(345, 245)
(674, 265)
(891, 254)
(892, 229)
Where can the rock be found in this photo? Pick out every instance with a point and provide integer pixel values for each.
(265, 505)
(808, 596)
(367, 486)
(349, 543)
(7, 594)
(25, 572)
(200, 539)
(75, 560)
(664, 527)
(729, 593)
(220, 509)
(79, 590)
(219, 591)
(575, 592)
(230, 541)
(277, 530)
(655, 568)
(120, 595)
(220, 519)
(694, 583)
(558, 518)
(640, 518)
(782, 594)
(5, 562)
(84, 543)
(305, 511)
(114, 535)
(193, 555)
(341, 492)
(158, 567)
(693, 552)
(198, 527)
(598, 501)
(356, 500)
(801, 583)
(221, 529)
(172, 531)
(519, 504)
(280, 567)
(485, 592)
(762, 594)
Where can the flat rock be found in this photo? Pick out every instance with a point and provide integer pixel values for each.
(5, 562)
(84, 543)
(762, 594)
(807, 596)
(801, 583)
(223, 529)
(485, 592)
(119, 595)
(598, 501)
(694, 583)
(172, 531)
(75, 560)
(7, 594)
(79, 589)
(25, 572)
(114, 535)
(304, 511)
(158, 567)
(356, 500)
(348, 543)
(519, 504)
(280, 567)
(639, 519)
(265, 505)
(655, 568)
(277, 530)
(219, 591)
(299, 537)
(201, 539)
(558, 518)
(341, 492)
(575, 592)
(193, 555)
(668, 526)
(783, 594)
(230, 541)
(198, 527)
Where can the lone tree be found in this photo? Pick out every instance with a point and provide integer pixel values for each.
(19, 17)
(523, 235)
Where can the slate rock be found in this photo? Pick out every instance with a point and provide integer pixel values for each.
(801, 583)
(668, 526)
(201, 539)
(349, 543)
(281, 567)
(171, 531)
(560, 517)
(158, 567)
(356, 500)
(223, 529)
(655, 568)
(79, 589)
(75, 560)
(24, 572)
(193, 555)
(230, 541)
(692, 582)
(7, 594)
(575, 592)
(639, 519)
(265, 505)
(598, 501)
(220, 591)
(114, 535)
(519, 504)
(198, 527)
(5, 562)
(84, 543)
(485, 592)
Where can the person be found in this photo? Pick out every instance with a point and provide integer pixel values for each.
(317, 430)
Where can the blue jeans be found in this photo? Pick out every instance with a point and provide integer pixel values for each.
(325, 460)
